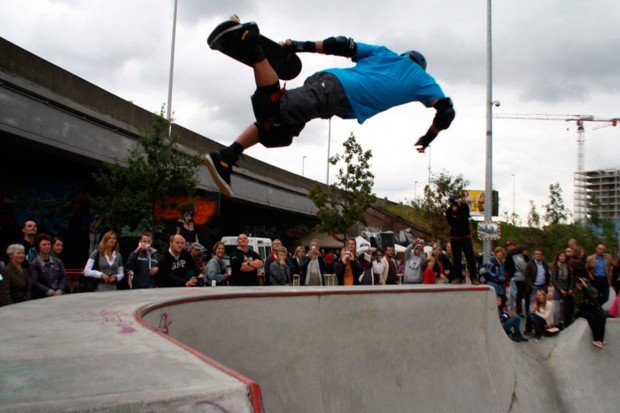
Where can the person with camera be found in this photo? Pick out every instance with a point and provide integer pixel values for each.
(457, 215)
(142, 263)
(586, 301)
(313, 266)
(347, 269)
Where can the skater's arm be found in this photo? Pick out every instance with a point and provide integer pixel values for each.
(443, 119)
(340, 46)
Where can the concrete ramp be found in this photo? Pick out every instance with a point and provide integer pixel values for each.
(346, 350)
(390, 349)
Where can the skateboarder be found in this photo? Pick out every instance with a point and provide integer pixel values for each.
(381, 79)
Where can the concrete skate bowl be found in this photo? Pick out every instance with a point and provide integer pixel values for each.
(387, 350)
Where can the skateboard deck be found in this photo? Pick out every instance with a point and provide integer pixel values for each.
(225, 38)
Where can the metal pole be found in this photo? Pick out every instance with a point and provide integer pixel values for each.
(303, 164)
(429, 166)
(488, 188)
(171, 75)
(415, 190)
(329, 142)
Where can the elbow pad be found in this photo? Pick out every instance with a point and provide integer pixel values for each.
(445, 113)
(340, 46)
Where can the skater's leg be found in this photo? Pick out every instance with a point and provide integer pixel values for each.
(264, 75)
(220, 163)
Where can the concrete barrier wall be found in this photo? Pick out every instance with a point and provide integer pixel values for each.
(345, 350)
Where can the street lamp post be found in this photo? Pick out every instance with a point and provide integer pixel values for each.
(303, 164)
(488, 188)
(171, 74)
(329, 142)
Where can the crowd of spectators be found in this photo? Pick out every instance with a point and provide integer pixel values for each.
(549, 297)
(545, 297)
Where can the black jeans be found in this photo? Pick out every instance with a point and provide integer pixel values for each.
(522, 293)
(596, 320)
(602, 286)
(460, 246)
(568, 307)
(538, 322)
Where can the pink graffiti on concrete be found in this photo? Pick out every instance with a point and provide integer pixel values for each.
(112, 318)
(164, 323)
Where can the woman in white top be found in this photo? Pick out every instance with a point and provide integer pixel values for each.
(541, 316)
(105, 265)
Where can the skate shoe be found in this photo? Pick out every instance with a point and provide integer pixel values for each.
(220, 169)
(232, 34)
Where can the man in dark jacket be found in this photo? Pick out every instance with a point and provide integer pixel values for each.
(457, 215)
(176, 267)
(509, 264)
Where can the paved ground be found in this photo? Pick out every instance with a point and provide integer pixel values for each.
(310, 349)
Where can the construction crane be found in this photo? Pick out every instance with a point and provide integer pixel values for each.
(579, 195)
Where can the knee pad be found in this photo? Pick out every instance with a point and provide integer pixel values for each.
(266, 103)
(340, 46)
(445, 113)
(276, 136)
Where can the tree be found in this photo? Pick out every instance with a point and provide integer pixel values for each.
(555, 211)
(155, 169)
(344, 203)
(533, 217)
(604, 225)
(593, 204)
(510, 217)
(432, 206)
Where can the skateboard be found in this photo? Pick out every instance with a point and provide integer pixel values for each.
(226, 38)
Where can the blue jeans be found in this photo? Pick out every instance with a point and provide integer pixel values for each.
(499, 289)
(513, 324)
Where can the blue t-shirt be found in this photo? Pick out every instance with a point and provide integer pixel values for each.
(599, 267)
(382, 79)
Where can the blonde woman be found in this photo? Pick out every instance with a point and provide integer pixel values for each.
(105, 265)
(297, 260)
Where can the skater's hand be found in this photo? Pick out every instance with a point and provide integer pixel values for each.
(420, 147)
(288, 46)
(426, 140)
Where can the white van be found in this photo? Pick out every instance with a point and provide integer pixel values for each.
(262, 246)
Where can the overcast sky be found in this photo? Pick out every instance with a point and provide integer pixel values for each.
(555, 56)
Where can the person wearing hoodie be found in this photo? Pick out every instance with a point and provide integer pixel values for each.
(415, 262)
(518, 280)
(142, 263)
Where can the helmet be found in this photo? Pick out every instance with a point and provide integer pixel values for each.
(416, 57)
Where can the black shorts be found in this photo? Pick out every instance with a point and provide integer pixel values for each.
(321, 96)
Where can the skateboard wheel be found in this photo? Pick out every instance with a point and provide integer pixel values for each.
(235, 18)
